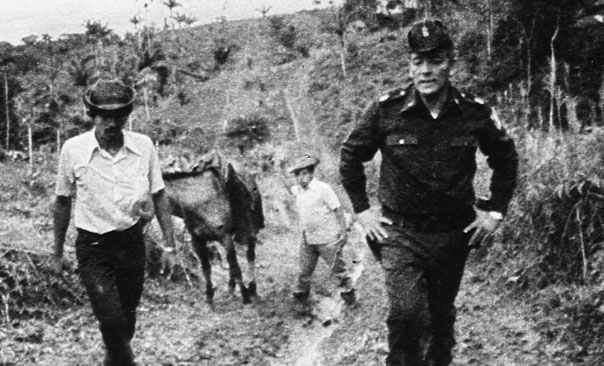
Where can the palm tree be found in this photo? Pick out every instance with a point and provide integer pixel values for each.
(264, 10)
(184, 19)
(136, 20)
(80, 70)
(96, 32)
(171, 4)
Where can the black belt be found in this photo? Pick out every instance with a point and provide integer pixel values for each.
(89, 235)
(436, 223)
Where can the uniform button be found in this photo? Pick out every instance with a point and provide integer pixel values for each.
(401, 141)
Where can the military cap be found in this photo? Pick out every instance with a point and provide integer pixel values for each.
(428, 35)
(109, 97)
(305, 161)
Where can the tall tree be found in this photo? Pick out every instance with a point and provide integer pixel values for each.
(171, 4)
(96, 34)
(538, 38)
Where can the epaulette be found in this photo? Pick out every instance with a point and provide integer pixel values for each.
(392, 95)
(472, 98)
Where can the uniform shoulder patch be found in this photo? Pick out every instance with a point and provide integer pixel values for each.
(472, 98)
(392, 95)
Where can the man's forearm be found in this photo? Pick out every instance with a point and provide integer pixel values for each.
(161, 205)
(341, 220)
(61, 217)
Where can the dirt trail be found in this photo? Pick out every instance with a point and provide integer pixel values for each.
(308, 335)
(492, 329)
(177, 328)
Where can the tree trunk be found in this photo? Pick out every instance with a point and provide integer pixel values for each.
(553, 71)
(30, 144)
(59, 141)
(343, 53)
(7, 111)
(145, 97)
(489, 29)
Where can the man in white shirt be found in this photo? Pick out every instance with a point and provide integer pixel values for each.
(110, 173)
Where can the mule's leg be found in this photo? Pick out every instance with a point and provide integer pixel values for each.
(234, 269)
(251, 263)
(201, 249)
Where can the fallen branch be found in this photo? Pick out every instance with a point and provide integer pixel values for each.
(194, 75)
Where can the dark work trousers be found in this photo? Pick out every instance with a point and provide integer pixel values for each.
(112, 269)
(423, 273)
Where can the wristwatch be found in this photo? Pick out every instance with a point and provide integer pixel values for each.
(496, 215)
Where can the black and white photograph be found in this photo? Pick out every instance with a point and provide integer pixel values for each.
(302, 183)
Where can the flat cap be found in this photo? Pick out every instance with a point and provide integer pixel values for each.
(109, 97)
(302, 162)
(428, 35)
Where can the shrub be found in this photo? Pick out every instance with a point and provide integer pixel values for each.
(221, 54)
(284, 32)
(246, 131)
(556, 219)
(30, 288)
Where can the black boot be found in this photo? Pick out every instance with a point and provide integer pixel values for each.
(349, 297)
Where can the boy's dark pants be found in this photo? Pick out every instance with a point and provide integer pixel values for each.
(423, 274)
(112, 269)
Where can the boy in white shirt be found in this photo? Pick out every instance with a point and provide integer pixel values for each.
(322, 230)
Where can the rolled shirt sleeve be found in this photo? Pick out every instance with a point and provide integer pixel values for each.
(156, 182)
(65, 181)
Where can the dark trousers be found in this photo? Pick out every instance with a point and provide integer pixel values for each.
(112, 269)
(332, 255)
(423, 274)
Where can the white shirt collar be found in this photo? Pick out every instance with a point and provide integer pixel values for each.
(92, 144)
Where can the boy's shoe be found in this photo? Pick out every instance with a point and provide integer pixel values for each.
(302, 306)
(349, 297)
(301, 296)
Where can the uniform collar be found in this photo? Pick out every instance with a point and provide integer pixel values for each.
(92, 144)
(412, 99)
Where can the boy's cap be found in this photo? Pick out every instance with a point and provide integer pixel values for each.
(428, 35)
(109, 97)
(302, 162)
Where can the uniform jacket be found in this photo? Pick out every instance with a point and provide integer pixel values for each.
(428, 164)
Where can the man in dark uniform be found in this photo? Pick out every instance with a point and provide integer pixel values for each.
(428, 134)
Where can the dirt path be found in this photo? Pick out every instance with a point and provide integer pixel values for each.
(492, 329)
(309, 334)
(177, 328)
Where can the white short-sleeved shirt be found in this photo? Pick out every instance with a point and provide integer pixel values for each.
(316, 209)
(110, 191)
